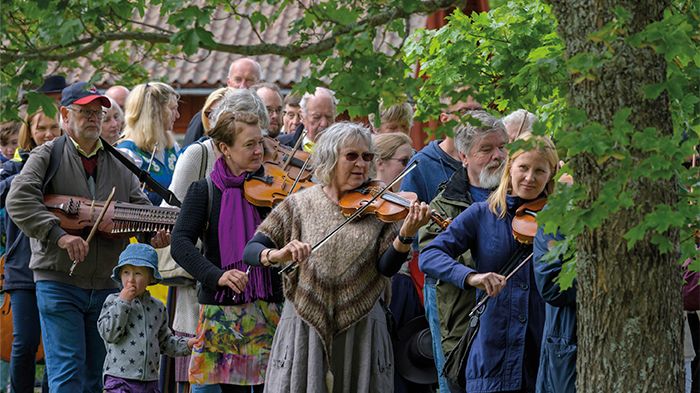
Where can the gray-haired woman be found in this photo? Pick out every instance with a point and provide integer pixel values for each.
(333, 333)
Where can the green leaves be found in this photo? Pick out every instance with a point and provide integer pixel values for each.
(510, 56)
(41, 101)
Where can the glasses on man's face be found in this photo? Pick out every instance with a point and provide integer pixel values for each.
(353, 156)
(87, 113)
(272, 110)
(404, 161)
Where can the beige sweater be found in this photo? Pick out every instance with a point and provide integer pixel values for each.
(339, 284)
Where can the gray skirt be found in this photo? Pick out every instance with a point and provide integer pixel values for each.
(362, 358)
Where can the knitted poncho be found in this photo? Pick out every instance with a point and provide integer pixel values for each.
(339, 284)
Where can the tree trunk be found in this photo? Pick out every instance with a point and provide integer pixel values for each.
(629, 301)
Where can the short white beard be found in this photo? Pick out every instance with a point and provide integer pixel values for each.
(490, 178)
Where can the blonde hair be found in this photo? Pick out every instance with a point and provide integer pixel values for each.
(25, 140)
(385, 145)
(207, 109)
(543, 145)
(145, 112)
(400, 113)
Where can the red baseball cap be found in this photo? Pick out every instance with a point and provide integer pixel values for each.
(82, 93)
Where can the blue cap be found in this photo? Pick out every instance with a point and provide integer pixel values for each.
(82, 93)
(53, 84)
(138, 254)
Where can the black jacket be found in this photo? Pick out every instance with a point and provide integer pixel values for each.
(291, 139)
(195, 130)
(190, 225)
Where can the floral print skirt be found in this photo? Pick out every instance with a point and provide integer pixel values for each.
(233, 343)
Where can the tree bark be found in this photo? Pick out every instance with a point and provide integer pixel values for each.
(629, 301)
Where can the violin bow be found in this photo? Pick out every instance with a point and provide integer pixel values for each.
(150, 163)
(354, 215)
(94, 227)
(486, 298)
(301, 172)
(295, 149)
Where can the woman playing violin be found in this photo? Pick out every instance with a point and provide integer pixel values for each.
(195, 163)
(505, 352)
(240, 307)
(333, 333)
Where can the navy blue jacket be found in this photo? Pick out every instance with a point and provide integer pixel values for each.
(434, 168)
(557, 371)
(506, 350)
(17, 250)
(195, 130)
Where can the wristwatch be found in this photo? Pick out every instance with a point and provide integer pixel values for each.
(406, 239)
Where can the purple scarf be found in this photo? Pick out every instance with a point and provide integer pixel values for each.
(238, 220)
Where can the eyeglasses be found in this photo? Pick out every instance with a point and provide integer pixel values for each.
(272, 110)
(99, 114)
(404, 161)
(353, 156)
(295, 115)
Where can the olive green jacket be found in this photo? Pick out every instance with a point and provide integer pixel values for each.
(453, 304)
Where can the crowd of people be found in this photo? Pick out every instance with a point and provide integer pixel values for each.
(321, 292)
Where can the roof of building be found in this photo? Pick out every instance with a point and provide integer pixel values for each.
(208, 70)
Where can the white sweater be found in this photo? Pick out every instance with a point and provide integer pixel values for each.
(187, 171)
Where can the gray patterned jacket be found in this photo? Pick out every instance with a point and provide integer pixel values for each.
(135, 335)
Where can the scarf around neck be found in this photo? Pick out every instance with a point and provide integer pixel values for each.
(238, 220)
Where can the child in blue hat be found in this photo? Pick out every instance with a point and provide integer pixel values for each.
(134, 325)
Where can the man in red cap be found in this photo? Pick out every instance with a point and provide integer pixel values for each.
(70, 304)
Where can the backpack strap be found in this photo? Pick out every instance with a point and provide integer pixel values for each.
(210, 202)
(205, 159)
(54, 160)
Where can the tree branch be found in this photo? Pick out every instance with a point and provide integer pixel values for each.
(84, 46)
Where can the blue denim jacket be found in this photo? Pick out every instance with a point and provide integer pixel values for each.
(511, 327)
(18, 250)
(557, 370)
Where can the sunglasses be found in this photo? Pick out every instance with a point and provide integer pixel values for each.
(353, 156)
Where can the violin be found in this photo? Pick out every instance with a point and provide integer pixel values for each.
(291, 160)
(270, 188)
(389, 207)
(286, 171)
(121, 219)
(525, 221)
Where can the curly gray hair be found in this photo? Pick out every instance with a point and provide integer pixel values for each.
(334, 138)
(467, 134)
(241, 100)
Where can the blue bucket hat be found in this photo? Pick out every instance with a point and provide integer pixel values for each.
(138, 254)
